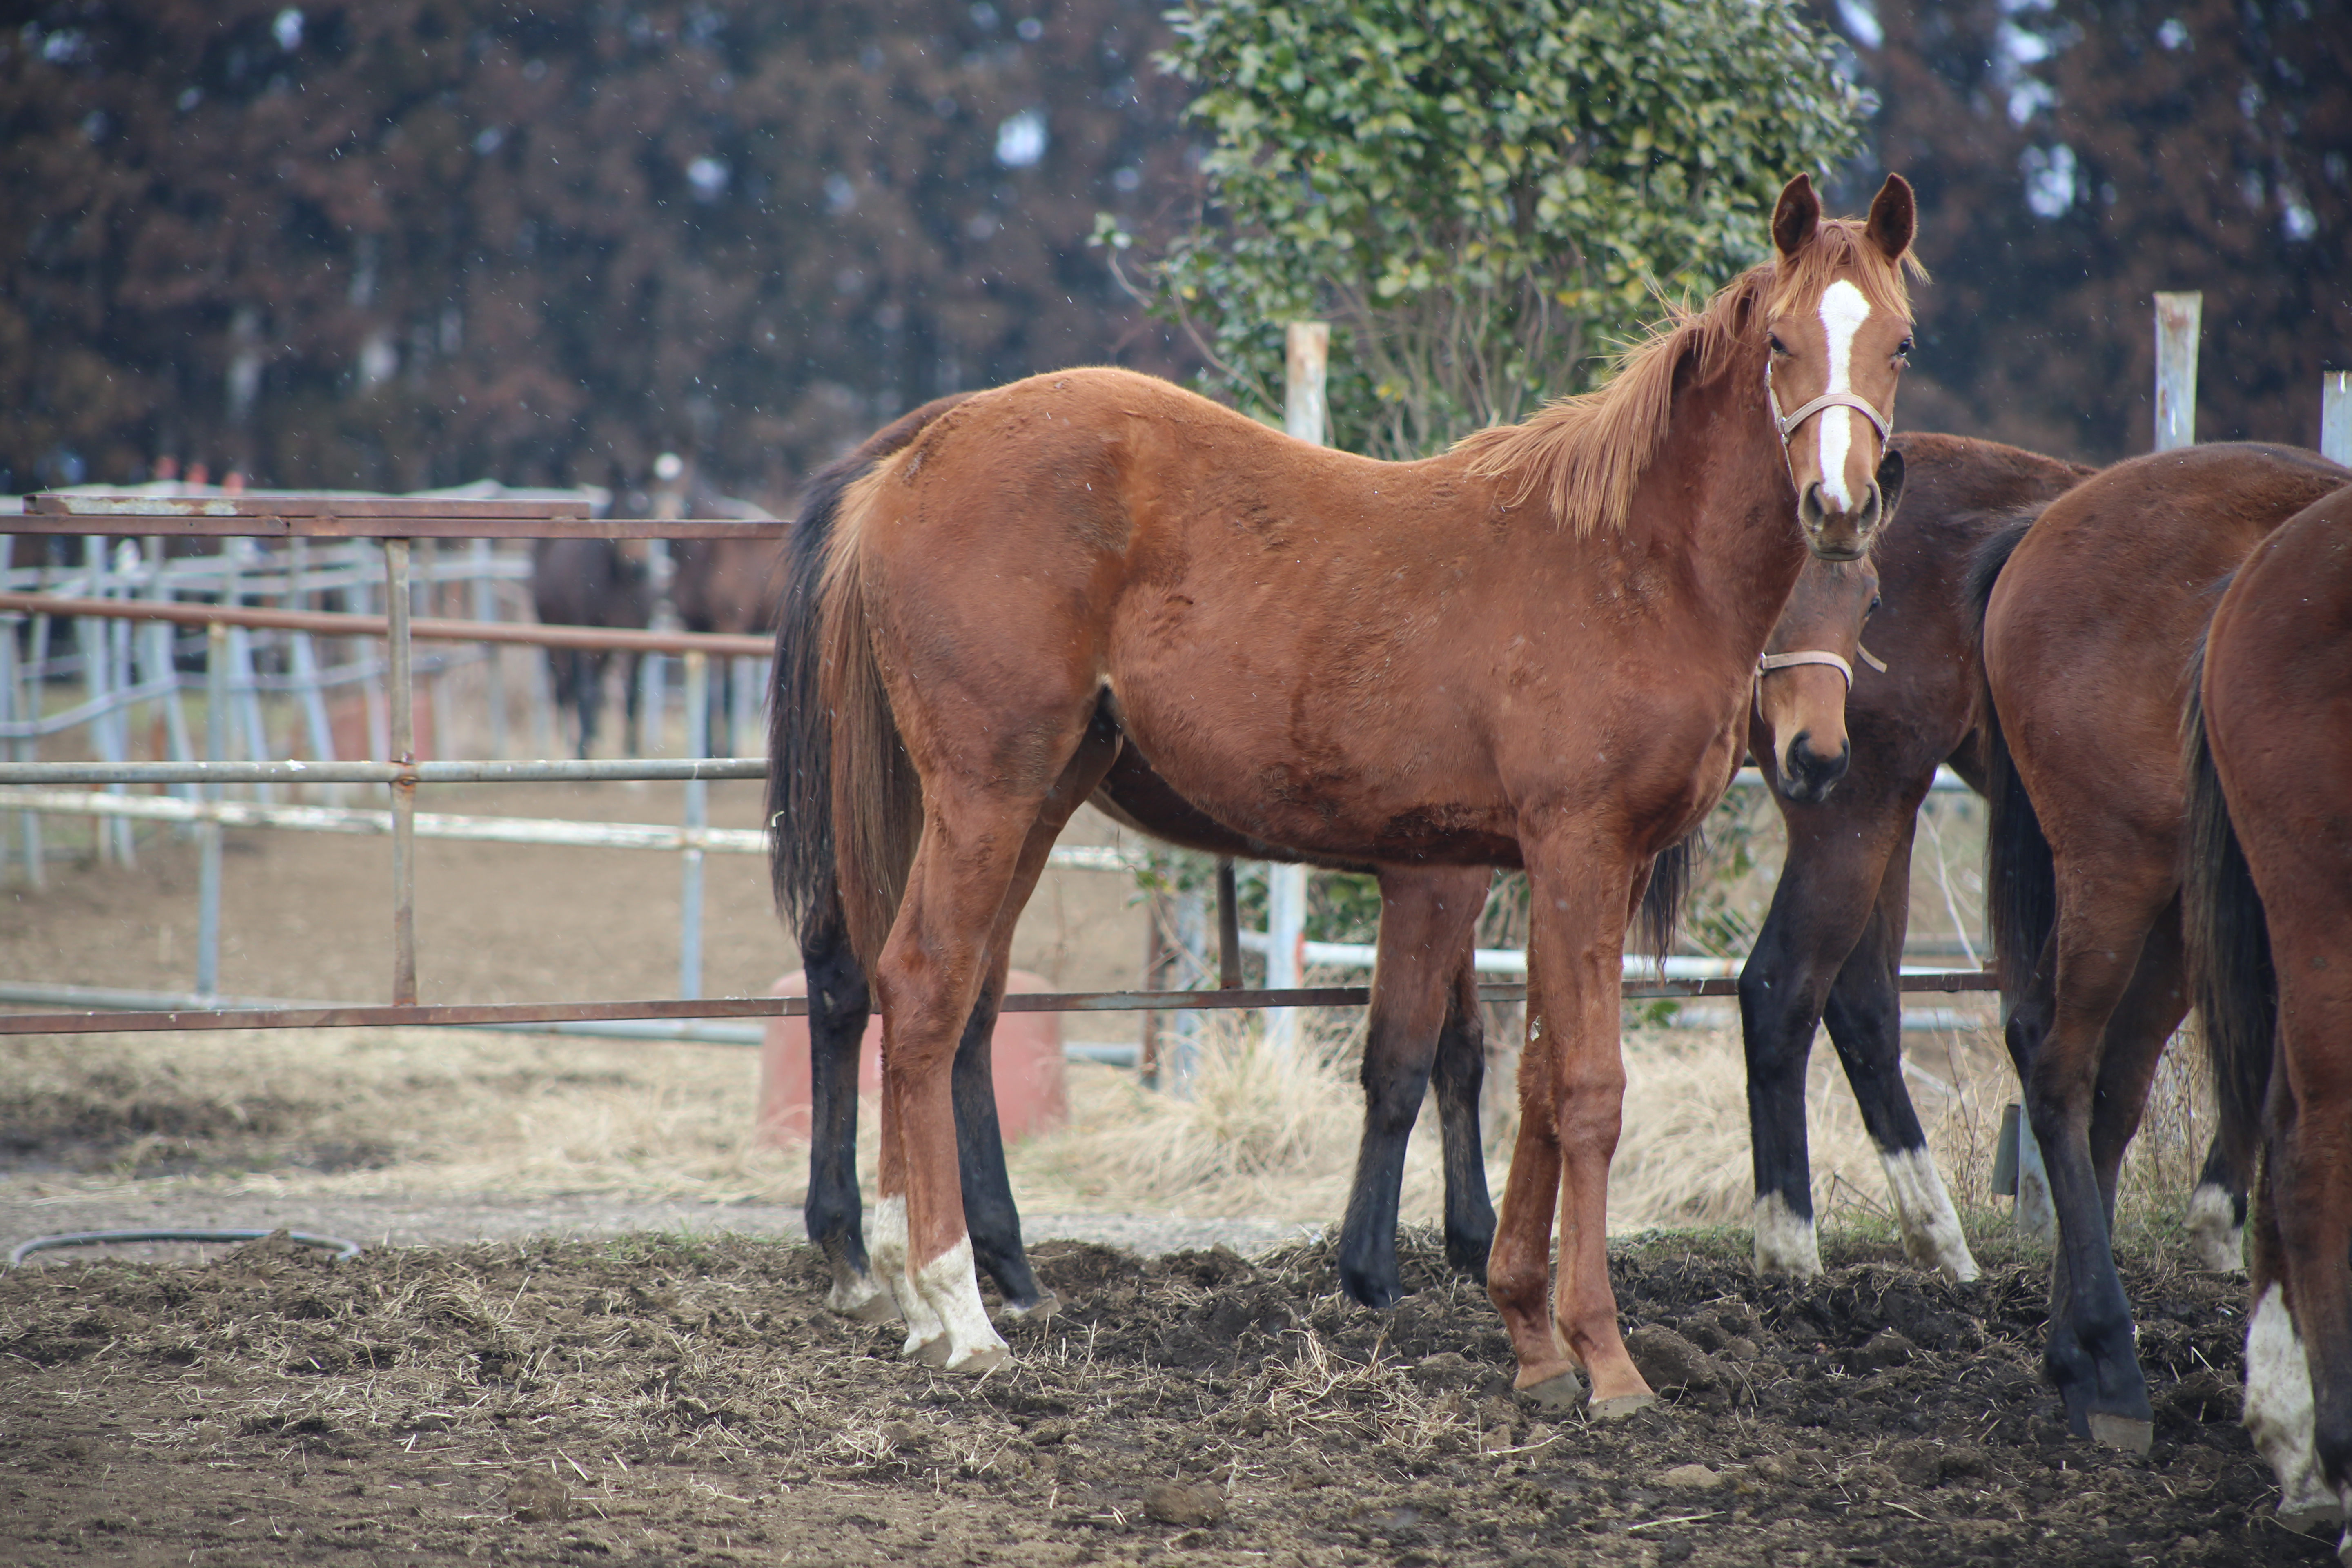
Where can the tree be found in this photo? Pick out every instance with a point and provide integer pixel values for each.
(1484, 198)
(412, 242)
(2072, 157)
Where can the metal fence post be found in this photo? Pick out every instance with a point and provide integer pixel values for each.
(2336, 415)
(697, 817)
(1305, 358)
(485, 608)
(208, 832)
(2177, 317)
(403, 790)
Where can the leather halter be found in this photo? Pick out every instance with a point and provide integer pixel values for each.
(1768, 662)
(1787, 424)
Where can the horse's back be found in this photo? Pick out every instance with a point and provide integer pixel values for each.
(2089, 631)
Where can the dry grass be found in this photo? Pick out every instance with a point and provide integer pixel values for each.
(1263, 1135)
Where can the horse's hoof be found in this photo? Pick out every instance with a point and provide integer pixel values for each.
(866, 1302)
(1555, 1393)
(932, 1353)
(1040, 1311)
(1621, 1407)
(2124, 1432)
(2303, 1518)
(979, 1359)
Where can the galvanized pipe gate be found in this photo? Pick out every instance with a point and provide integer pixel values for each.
(397, 522)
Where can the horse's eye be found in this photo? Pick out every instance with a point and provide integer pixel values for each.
(1778, 346)
(1903, 349)
(1874, 606)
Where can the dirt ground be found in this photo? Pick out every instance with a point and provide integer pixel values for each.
(660, 1399)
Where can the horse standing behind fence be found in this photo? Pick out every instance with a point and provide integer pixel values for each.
(1537, 649)
(725, 586)
(2088, 629)
(590, 583)
(2270, 920)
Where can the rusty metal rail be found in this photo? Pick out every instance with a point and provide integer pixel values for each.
(262, 515)
(513, 1013)
(331, 623)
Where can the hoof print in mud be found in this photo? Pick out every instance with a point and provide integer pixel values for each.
(1187, 1507)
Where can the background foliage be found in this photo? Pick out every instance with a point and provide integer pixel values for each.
(2075, 156)
(1481, 198)
(412, 242)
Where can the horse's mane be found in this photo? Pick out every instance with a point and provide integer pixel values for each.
(1586, 454)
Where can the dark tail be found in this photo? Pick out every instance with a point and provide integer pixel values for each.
(1662, 900)
(2023, 883)
(803, 864)
(2228, 938)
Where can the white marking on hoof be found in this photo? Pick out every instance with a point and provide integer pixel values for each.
(2279, 1411)
(1931, 1226)
(887, 1251)
(861, 1297)
(1621, 1407)
(2216, 1240)
(951, 1289)
(1561, 1393)
(1785, 1242)
(2128, 1433)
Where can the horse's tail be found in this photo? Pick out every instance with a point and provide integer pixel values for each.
(826, 705)
(2023, 881)
(1662, 900)
(2229, 936)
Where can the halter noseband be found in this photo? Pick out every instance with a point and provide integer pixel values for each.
(1826, 400)
(1768, 662)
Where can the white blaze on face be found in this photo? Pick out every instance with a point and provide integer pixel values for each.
(1843, 310)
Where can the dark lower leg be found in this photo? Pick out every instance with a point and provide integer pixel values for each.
(839, 1008)
(1460, 1079)
(989, 1211)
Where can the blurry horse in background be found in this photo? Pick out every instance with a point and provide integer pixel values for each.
(2269, 749)
(725, 586)
(1536, 649)
(590, 583)
(2089, 618)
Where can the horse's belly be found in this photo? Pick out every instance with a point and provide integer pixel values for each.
(1269, 776)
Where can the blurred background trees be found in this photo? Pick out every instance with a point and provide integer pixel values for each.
(417, 242)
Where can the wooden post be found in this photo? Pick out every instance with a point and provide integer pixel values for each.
(2336, 415)
(1304, 414)
(2177, 317)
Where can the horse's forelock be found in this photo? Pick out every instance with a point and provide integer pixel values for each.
(1842, 247)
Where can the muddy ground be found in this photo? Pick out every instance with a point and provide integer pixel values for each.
(666, 1399)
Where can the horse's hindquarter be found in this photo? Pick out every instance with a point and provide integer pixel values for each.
(2089, 632)
(2278, 711)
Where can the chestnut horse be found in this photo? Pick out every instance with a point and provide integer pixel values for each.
(2088, 629)
(1831, 949)
(2270, 920)
(1835, 934)
(1535, 648)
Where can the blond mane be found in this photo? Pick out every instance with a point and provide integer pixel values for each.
(1584, 455)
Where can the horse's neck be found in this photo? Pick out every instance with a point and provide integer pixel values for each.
(1718, 496)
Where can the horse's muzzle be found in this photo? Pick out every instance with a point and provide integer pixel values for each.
(1808, 776)
(1843, 535)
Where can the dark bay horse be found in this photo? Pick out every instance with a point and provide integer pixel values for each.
(1536, 649)
(589, 583)
(2088, 630)
(1831, 948)
(2269, 918)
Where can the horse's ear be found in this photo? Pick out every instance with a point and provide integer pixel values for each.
(1890, 484)
(1798, 214)
(1894, 219)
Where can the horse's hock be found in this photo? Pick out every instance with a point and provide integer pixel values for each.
(1025, 1050)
